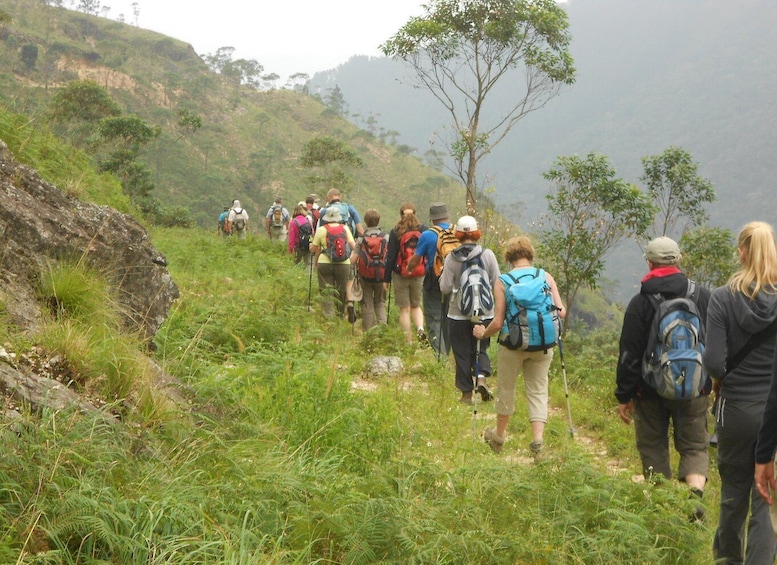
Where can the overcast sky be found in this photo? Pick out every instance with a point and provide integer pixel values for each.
(284, 36)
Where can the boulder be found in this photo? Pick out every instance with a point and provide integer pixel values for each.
(40, 225)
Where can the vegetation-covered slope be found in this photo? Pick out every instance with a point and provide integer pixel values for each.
(289, 451)
(250, 142)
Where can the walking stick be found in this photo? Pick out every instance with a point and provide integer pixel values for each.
(566, 389)
(388, 305)
(439, 333)
(475, 320)
(310, 281)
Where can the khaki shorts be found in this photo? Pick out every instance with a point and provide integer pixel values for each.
(407, 291)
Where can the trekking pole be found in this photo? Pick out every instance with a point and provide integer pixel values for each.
(388, 304)
(566, 389)
(439, 333)
(475, 320)
(310, 281)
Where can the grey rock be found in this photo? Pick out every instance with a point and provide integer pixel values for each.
(384, 365)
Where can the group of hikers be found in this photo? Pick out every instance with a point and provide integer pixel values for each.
(233, 220)
(449, 292)
(680, 342)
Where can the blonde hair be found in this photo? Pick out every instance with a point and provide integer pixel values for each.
(519, 247)
(758, 253)
(299, 210)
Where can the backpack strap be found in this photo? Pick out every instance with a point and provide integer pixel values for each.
(754, 341)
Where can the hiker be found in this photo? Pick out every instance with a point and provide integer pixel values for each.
(237, 220)
(331, 247)
(519, 254)
(300, 234)
(408, 285)
(741, 330)
(277, 220)
(222, 229)
(470, 354)
(435, 303)
(638, 400)
(370, 256)
(348, 213)
(311, 203)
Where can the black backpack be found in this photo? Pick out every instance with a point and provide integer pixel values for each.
(305, 231)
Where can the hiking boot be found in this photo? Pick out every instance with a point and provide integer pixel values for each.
(536, 446)
(494, 440)
(485, 394)
(466, 397)
(351, 313)
(422, 339)
(714, 440)
(697, 516)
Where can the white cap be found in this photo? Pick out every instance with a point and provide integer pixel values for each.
(466, 224)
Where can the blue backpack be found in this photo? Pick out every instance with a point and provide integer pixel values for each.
(345, 215)
(673, 359)
(531, 318)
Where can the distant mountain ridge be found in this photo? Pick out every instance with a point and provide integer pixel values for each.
(699, 75)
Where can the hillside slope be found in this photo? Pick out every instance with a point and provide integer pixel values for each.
(249, 144)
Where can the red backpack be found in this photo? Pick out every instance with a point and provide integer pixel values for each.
(407, 244)
(336, 243)
(372, 257)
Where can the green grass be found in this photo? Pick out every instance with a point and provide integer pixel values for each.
(281, 458)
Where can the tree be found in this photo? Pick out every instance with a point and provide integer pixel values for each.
(335, 101)
(461, 50)
(82, 100)
(123, 137)
(91, 7)
(674, 184)
(29, 55)
(708, 255)
(78, 107)
(590, 212)
(326, 156)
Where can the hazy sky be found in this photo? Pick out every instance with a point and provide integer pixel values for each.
(284, 36)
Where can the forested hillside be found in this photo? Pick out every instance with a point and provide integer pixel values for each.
(249, 143)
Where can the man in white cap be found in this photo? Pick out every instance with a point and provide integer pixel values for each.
(652, 413)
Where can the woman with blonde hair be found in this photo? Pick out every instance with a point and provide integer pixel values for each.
(740, 345)
(519, 254)
(408, 286)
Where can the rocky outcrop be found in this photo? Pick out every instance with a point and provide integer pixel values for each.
(40, 225)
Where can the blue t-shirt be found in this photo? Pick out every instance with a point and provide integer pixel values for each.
(427, 245)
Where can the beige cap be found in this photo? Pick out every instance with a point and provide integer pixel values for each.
(663, 251)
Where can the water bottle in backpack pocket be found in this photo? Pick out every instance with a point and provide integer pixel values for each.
(531, 319)
(673, 358)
